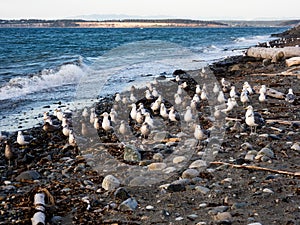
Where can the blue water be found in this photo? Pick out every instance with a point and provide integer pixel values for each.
(39, 67)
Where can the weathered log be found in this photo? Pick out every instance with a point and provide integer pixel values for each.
(271, 92)
(292, 61)
(39, 204)
(275, 54)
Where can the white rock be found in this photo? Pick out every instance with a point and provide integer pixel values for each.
(190, 173)
(179, 159)
(170, 169)
(198, 164)
(149, 207)
(256, 223)
(157, 166)
(296, 146)
(202, 189)
(110, 183)
(267, 190)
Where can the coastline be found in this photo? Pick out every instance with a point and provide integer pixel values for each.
(222, 191)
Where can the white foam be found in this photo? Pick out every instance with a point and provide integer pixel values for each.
(20, 86)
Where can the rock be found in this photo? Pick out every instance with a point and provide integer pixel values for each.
(158, 157)
(203, 205)
(192, 217)
(246, 146)
(267, 190)
(176, 187)
(149, 207)
(223, 216)
(56, 220)
(256, 223)
(128, 205)
(198, 164)
(28, 175)
(169, 170)
(131, 154)
(179, 159)
(202, 190)
(110, 183)
(121, 194)
(160, 136)
(190, 173)
(296, 147)
(179, 218)
(157, 166)
(239, 205)
(266, 152)
(159, 147)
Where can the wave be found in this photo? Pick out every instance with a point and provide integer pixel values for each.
(47, 78)
(252, 40)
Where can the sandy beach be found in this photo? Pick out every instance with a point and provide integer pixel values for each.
(249, 179)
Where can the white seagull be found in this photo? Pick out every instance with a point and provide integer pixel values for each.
(253, 119)
(21, 139)
(290, 97)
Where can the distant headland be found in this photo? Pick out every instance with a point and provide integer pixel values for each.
(137, 23)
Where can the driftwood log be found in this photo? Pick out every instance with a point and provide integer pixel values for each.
(275, 54)
(270, 92)
(292, 61)
(39, 204)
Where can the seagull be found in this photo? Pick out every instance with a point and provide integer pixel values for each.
(124, 129)
(262, 97)
(145, 130)
(8, 153)
(221, 97)
(118, 97)
(163, 111)
(200, 134)
(263, 89)
(139, 117)
(133, 111)
(113, 115)
(96, 123)
(149, 120)
(92, 115)
(21, 139)
(85, 130)
(148, 95)
(290, 97)
(155, 106)
(247, 86)
(188, 116)
(59, 114)
(72, 140)
(230, 105)
(253, 119)
(173, 115)
(216, 88)
(244, 97)
(232, 92)
(177, 99)
(124, 100)
(225, 85)
(47, 127)
(179, 90)
(85, 113)
(132, 98)
(66, 130)
(203, 95)
(196, 98)
(198, 89)
(184, 85)
(154, 92)
(105, 123)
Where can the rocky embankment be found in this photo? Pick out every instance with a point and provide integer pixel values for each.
(227, 175)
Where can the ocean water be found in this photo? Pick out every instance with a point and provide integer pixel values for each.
(41, 69)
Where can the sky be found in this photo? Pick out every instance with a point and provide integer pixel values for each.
(190, 9)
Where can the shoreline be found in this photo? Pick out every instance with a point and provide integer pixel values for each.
(210, 195)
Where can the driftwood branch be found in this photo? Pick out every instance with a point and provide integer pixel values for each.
(292, 61)
(294, 174)
(275, 54)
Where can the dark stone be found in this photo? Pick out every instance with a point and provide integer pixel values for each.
(121, 194)
(28, 175)
(176, 188)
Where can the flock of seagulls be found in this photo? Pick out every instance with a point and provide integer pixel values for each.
(152, 112)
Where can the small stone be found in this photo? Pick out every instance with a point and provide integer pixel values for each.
(131, 154)
(203, 205)
(192, 217)
(158, 157)
(202, 190)
(249, 157)
(157, 166)
(159, 147)
(110, 183)
(266, 152)
(169, 170)
(256, 223)
(159, 136)
(149, 207)
(238, 205)
(128, 205)
(179, 218)
(198, 164)
(7, 182)
(28, 175)
(296, 147)
(176, 187)
(267, 190)
(179, 159)
(226, 180)
(246, 146)
(190, 173)
(56, 220)
(223, 216)
(121, 194)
